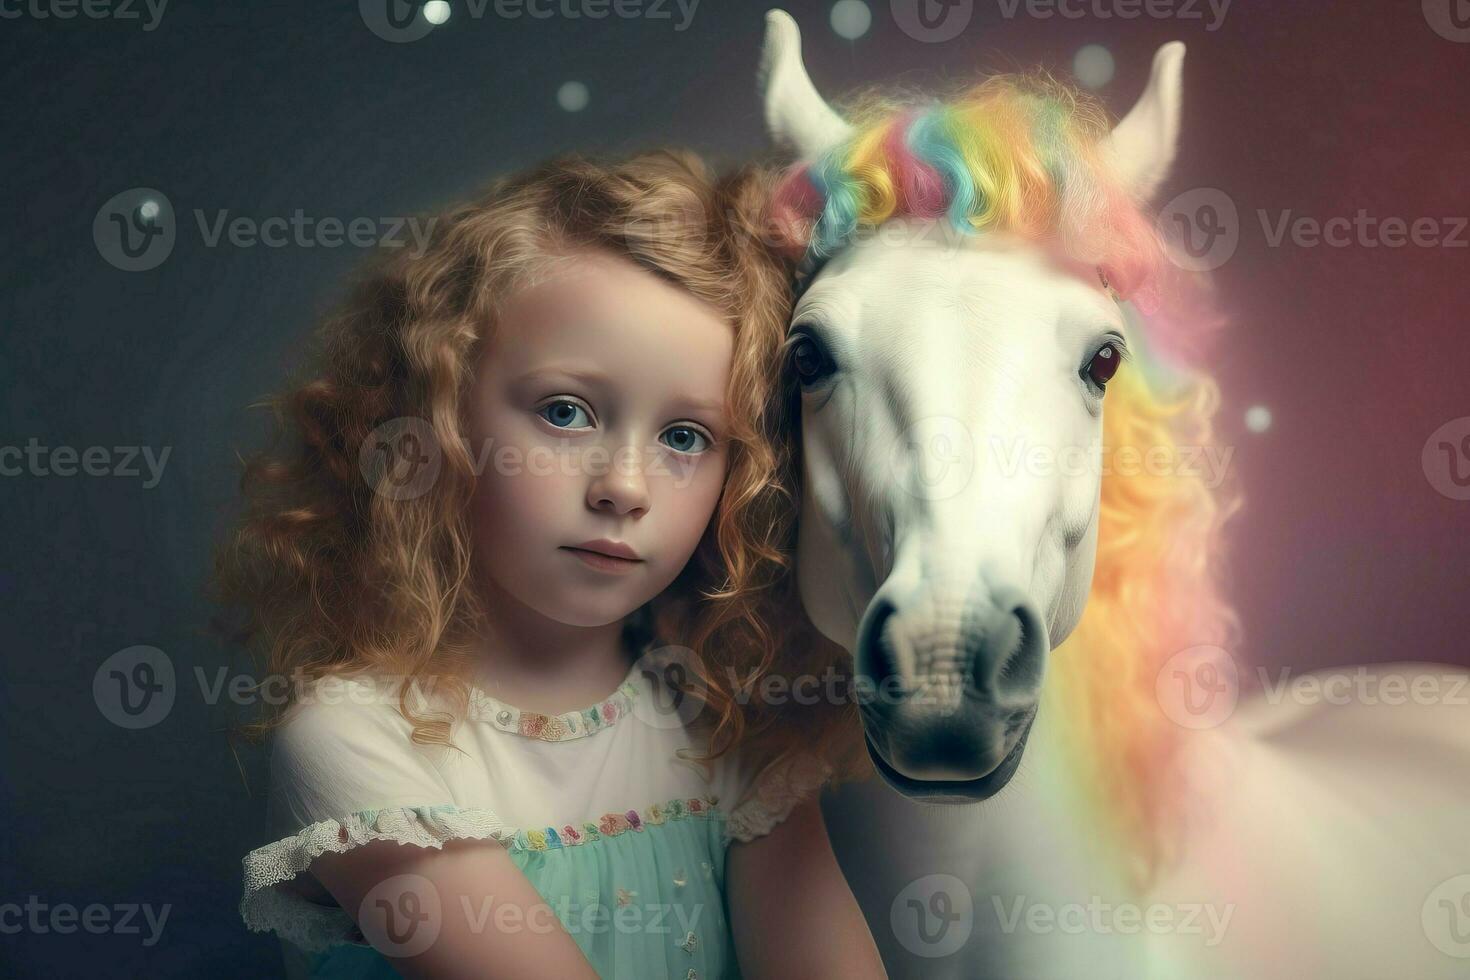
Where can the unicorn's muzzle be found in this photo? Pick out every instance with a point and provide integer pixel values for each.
(952, 680)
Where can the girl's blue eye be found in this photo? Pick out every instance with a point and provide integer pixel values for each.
(684, 434)
(562, 414)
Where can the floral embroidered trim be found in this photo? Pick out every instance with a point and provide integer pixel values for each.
(613, 824)
(556, 728)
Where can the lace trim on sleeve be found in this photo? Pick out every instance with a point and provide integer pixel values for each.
(778, 789)
(315, 927)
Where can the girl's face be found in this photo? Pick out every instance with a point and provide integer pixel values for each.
(597, 414)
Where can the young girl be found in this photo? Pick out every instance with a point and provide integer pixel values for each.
(524, 567)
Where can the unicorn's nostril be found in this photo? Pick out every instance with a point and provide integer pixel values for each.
(1017, 648)
(876, 659)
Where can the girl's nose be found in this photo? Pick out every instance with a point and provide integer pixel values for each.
(622, 488)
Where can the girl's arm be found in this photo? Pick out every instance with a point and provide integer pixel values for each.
(791, 910)
(493, 922)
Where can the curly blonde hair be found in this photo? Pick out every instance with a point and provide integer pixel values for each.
(325, 573)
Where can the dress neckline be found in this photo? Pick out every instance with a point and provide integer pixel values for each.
(577, 723)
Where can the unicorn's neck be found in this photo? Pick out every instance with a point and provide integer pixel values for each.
(1067, 790)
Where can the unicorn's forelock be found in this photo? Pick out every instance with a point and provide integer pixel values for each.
(1016, 153)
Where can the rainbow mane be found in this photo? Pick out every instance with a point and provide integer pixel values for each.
(1021, 154)
(1026, 155)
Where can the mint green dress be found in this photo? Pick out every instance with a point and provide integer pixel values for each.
(624, 840)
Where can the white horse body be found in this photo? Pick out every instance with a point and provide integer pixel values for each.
(1321, 840)
(1320, 844)
(1337, 831)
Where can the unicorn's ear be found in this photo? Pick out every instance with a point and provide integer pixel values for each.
(796, 116)
(1143, 142)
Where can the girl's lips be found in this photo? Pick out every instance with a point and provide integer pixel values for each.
(602, 562)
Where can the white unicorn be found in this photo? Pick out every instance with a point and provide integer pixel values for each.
(1059, 628)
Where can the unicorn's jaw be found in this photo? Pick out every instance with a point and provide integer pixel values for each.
(952, 791)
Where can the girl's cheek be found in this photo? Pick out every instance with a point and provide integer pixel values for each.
(527, 494)
(698, 494)
(523, 481)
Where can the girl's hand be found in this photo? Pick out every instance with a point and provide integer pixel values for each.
(474, 880)
(791, 909)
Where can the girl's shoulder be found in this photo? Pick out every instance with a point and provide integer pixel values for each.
(344, 771)
(759, 792)
(335, 714)
(344, 747)
(340, 700)
(754, 787)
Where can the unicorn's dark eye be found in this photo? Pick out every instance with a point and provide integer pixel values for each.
(809, 360)
(1104, 364)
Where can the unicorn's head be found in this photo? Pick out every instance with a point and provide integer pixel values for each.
(957, 327)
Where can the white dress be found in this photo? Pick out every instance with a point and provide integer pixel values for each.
(624, 840)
